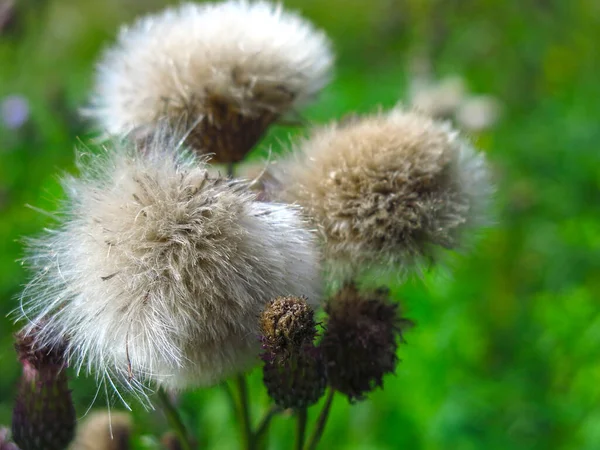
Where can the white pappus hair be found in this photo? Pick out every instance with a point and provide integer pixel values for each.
(252, 55)
(157, 272)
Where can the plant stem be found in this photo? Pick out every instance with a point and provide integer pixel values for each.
(321, 421)
(263, 426)
(174, 419)
(300, 428)
(247, 437)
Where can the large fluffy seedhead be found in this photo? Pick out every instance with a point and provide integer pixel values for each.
(159, 272)
(386, 189)
(225, 70)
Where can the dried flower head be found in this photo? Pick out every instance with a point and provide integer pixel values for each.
(225, 70)
(360, 340)
(159, 272)
(294, 370)
(5, 444)
(386, 189)
(102, 430)
(43, 415)
(478, 113)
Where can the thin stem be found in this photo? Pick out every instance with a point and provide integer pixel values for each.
(321, 422)
(263, 426)
(174, 419)
(247, 437)
(230, 169)
(300, 428)
(231, 397)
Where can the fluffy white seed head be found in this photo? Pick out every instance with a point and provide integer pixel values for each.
(385, 190)
(226, 69)
(158, 272)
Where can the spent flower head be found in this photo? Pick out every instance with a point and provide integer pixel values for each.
(5, 443)
(158, 272)
(386, 189)
(360, 340)
(226, 71)
(104, 430)
(294, 370)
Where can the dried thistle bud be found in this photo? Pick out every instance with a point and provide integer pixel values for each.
(386, 190)
(102, 430)
(5, 443)
(360, 340)
(44, 415)
(288, 323)
(294, 370)
(158, 272)
(225, 71)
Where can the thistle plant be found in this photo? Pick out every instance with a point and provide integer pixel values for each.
(162, 273)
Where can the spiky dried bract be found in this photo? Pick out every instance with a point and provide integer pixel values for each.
(43, 415)
(386, 189)
(158, 272)
(294, 370)
(102, 430)
(226, 70)
(360, 340)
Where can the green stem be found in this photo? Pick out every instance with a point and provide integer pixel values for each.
(263, 426)
(174, 419)
(321, 421)
(247, 437)
(300, 428)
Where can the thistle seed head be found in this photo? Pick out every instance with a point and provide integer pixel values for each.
(386, 190)
(360, 340)
(225, 71)
(294, 370)
(5, 443)
(158, 272)
(103, 431)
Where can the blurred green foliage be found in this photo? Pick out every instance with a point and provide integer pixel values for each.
(506, 351)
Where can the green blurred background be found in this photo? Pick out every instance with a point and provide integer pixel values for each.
(506, 351)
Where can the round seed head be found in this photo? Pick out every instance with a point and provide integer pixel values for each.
(225, 71)
(386, 190)
(360, 340)
(294, 370)
(158, 272)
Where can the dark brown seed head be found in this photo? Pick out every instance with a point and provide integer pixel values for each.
(294, 369)
(288, 323)
(360, 340)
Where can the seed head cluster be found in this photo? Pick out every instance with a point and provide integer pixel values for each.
(104, 430)
(226, 71)
(159, 271)
(386, 189)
